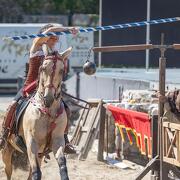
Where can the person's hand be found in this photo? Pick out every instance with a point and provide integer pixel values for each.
(74, 30)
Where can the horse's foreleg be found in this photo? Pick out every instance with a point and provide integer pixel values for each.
(32, 150)
(58, 150)
(7, 159)
(30, 174)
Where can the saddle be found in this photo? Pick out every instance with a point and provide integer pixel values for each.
(21, 106)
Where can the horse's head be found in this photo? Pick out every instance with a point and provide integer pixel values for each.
(51, 74)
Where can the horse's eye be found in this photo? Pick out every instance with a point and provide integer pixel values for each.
(42, 68)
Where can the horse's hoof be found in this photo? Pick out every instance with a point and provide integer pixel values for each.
(69, 149)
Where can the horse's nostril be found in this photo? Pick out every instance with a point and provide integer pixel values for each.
(48, 100)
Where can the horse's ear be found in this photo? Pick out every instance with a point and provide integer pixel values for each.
(46, 49)
(66, 53)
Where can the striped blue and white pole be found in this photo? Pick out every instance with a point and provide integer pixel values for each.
(98, 28)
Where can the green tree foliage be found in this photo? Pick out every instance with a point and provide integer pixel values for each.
(10, 11)
(59, 6)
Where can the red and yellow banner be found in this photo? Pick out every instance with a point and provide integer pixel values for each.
(136, 122)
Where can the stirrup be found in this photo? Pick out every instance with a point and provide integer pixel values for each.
(3, 138)
(20, 143)
(2, 143)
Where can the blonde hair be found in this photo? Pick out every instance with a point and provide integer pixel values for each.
(45, 27)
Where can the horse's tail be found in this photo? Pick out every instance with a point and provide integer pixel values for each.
(20, 160)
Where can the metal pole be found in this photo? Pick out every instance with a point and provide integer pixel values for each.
(100, 32)
(148, 33)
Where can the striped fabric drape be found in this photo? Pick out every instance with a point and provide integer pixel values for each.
(136, 122)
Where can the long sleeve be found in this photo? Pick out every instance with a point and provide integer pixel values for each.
(34, 64)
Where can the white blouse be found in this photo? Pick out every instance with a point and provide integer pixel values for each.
(37, 53)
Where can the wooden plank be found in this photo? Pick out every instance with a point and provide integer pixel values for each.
(88, 123)
(171, 161)
(147, 168)
(154, 131)
(176, 46)
(171, 125)
(162, 78)
(138, 47)
(84, 129)
(172, 140)
(178, 146)
(77, 127)
(165, 142)
(166, 124)
(88, 144)
(89, 136)
(101, 134)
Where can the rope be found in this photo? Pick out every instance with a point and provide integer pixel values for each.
(98, 28)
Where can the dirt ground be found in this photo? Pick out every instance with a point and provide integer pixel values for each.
(89, 169)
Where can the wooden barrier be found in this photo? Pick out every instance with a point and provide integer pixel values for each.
(168, 152)
(90, 122)
(166, 145)
(171, 146)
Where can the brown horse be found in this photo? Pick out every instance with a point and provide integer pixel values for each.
(43, 122)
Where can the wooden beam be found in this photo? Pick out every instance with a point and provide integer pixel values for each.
(171, 125)
(147, 168)
(176, 46)
(138, 47)
(101, 133)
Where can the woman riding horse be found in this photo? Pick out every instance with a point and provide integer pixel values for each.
(41, 126)
(36, 57)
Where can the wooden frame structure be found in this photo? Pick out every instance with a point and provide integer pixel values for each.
(163, 156)
(90, 122)
(171, 153)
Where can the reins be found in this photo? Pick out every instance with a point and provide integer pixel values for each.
(55, 58)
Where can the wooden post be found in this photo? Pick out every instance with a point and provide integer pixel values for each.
(101, 133)
(106, 121)
(162, 75)
(77, 84)
(154, 131)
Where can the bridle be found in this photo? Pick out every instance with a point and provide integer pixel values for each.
(55, 57)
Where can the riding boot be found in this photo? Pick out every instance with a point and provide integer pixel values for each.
(69, 149)
(3, 138)
(7, 124)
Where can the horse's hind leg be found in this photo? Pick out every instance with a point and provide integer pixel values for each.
(58, 150)
(7, 159)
